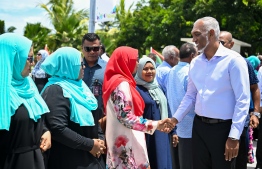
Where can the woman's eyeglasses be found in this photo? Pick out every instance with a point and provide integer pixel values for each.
(91, 48)
(30, 59)
(82, 65)
(39, 54)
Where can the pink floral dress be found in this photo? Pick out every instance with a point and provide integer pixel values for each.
(125, 132)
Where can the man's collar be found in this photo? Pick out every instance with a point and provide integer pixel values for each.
(98, 62)
(166, 64)
(221, 52)
(101, 62)
(181, 63)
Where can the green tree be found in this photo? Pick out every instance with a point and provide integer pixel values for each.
(106, 26)
(70, 25)
(2, 28)
(108, 39)
(158, 23)
(38, 34)
(131, 28)
(240, 17)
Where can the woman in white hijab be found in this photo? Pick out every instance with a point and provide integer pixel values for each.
(38, 74)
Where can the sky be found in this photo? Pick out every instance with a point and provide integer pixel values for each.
(18, 12)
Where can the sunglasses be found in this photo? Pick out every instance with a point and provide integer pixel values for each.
(39, 54)
(91, 48)
(30, 59)
(222, 42)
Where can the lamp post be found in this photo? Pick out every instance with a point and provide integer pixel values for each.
(92, 14)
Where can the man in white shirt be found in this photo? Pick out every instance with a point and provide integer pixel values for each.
(176, 88)
(218, 86)
(103, 53)
(171, 58)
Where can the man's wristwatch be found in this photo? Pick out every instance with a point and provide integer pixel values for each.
(233, 138)
(256, 114)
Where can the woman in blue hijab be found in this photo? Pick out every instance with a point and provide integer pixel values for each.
(77, 140)
(22, 108)
(38, 74)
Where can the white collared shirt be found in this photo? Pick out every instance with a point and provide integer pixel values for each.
(219, 88)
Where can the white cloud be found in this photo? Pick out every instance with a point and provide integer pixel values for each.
(81, 4)
(13, 21)
(14, 5)
(18, 12)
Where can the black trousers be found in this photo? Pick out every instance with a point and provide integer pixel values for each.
(185, 153)
(259, 145)
(208, 144)
(174, 155)
(241, 160)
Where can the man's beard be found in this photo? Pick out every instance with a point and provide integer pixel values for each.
(202, 50)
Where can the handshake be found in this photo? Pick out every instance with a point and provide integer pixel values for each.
(167, 124)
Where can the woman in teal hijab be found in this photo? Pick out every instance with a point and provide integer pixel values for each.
(22, 108)
(77, 140)
(254, 62)
(156, 108)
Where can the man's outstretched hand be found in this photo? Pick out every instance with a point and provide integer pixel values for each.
(167, 124)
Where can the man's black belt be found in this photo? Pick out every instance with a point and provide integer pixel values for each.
(211, 120)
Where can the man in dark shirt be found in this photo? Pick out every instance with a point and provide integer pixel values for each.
(241, 160)
(94, 67)
(94, 73)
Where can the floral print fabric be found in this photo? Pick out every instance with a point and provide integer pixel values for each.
(125, 132)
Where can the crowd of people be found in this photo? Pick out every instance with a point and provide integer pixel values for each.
(85, 110)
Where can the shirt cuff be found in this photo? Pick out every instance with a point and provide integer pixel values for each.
(234, 133)
(178, 117)
(151, 127)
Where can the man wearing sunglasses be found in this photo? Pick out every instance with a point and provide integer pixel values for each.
(226, 40)
(94, 66)
(94, 72)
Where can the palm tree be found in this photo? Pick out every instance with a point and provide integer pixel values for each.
(2, 28)
(70, 25)
(108, 39)
(106, 26)
(38, 34)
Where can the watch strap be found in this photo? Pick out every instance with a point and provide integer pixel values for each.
(256, 114)
(233, 138)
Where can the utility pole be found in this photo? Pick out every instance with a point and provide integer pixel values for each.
(92, 15)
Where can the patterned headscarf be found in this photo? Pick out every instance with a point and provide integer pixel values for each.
(37, 71)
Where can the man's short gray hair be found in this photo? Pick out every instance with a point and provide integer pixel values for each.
(211, 23)
(169, 51)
